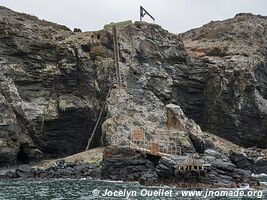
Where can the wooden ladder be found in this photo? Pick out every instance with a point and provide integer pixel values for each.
(116, 56)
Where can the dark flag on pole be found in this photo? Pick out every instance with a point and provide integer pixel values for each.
(143, 12)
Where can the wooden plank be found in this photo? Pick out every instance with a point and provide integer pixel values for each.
(137, 135)
(154, 148)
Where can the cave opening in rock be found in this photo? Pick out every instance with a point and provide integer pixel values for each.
(96, 141)
(22, 157)
(69, 133)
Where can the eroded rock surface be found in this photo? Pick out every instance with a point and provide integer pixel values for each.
(235, 92)
(54, 82)
(49, 96)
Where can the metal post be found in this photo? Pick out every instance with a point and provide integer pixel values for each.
(143, 12)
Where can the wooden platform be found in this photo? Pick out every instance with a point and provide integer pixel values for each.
(192, 167)
(157, 147)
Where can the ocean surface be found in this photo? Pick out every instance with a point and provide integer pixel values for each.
(71, 189)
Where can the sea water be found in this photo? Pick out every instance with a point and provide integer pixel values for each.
(71, 189)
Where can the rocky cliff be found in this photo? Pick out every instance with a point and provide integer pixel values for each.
(235, 53)
(49, 95)
(54, 83)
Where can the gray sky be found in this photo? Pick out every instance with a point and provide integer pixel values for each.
(174, 15)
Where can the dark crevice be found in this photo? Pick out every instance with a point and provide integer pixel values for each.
(86, 48)
(22, 157)
(78, 71)
(154, 159)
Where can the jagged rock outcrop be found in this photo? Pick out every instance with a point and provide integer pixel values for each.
(154, 67)
(235, 92)
(54, 82)
(127, 165)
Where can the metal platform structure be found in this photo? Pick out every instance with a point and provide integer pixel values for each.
(156, 147)
(192, 165)
(139, 142)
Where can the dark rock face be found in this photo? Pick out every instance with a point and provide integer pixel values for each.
(241, 161)
(60, 169)
(235, 92)
(125, 164)
(48, 97)
(261, 166)
(247, 161)
(128, 165)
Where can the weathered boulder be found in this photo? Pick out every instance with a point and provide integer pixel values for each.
(60, 169)
(165, 168)
(261, 166)
(128, 165)
(241, 161)
(23, 171)
(8, 173)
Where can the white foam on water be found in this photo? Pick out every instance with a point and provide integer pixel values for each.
(263, 183)
(259, 175)
(110, 181)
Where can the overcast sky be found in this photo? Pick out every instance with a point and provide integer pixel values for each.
(174, 15)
